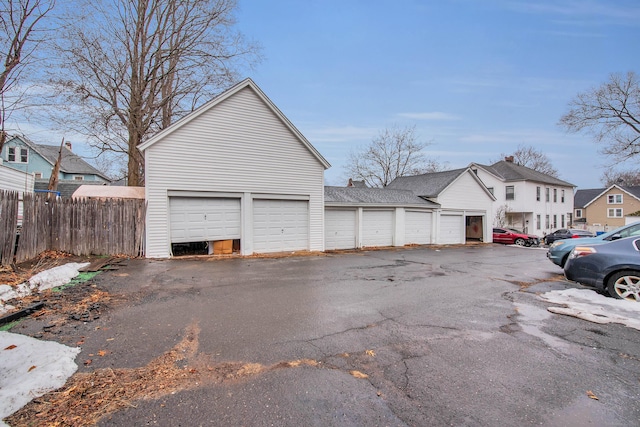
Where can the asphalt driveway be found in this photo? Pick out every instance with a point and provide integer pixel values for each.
(418, 336)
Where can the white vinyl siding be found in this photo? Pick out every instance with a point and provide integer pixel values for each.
(417, 227)
(195, 219)
(280, 225)
(451, 229)
(340, 228)
(377, 227)
(238, 146)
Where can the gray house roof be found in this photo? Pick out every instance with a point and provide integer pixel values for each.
(597, 192)
(583, 197)
(428, 184)
(66, 188)
(510, 171)
(373, 196)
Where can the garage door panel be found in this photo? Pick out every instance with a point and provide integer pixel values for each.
(418, 227)
(195, 219)
(451, 229)
(377, 228)
(280, 225)
(340, 228)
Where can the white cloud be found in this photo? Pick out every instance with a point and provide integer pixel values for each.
(435, 115)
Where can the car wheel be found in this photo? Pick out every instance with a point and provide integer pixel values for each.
(519, 242)
(625, 285)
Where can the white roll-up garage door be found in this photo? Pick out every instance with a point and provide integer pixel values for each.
(201, 219)
(451, 229)
(377, 227)
(339, 229)
(280, 225)
(417, 227)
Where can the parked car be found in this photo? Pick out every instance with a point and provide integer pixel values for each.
(509, 236)
(566, 233)
(612, 266)
(560, 249)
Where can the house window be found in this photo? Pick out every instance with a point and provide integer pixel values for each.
(578, 213)
(490, 190)
(24, 155)
(537, 194)
(562, 221)
(555, 195)
(555, 221)
(614, 199)
(546, 194)
(538, 222)
(614, 213)
(78, 178)
(37, 175)
(11, 154)
(562, 196)
(546, 222)
(511, 195)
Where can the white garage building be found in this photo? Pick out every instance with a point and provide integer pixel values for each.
(358, 217)
(235, 169)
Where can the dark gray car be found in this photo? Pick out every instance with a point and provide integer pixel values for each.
(613, 266)
(566, 233)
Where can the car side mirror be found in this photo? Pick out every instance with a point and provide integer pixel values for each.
(616, 236)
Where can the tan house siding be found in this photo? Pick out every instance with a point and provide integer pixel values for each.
(597, 211)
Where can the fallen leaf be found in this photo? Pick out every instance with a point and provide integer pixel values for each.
(591, 395)
(11, 347)
(80, 342)
(358, 374)
(370, 353)
(102, 353)
(31, 368)
(87, 362)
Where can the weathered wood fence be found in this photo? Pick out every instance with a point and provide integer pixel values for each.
(80, 226)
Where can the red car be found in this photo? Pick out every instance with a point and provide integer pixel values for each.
(509, 236)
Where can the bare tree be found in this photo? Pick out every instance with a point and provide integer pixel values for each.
(611, 114)
(131, 67)
(20, 36)
(534, 159)
(626, 178)
(393, 153)
(500, 217)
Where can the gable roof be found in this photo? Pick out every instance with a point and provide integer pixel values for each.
(432, 184)
(632, 191)
(586, 196)
(373, 196)
(246, 83)
(510, 171)
(71, 163)
(66, 187)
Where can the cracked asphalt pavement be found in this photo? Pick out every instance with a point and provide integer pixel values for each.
(416, 336)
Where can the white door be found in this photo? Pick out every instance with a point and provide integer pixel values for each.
(451, 229)
(280, 225)
(417, 227)
(377, 228)
(199, 219)
(339, 229)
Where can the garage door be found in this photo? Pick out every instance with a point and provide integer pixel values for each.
(417, 227)
(377, 228)
(340, 229)
(451, 229)
(280, 225)
(198, 219)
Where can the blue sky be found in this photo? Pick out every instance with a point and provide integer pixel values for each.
(476, 77)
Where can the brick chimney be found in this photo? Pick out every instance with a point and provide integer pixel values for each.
(509, 159)
(68, 145)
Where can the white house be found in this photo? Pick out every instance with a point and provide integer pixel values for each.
(357, 217)
(234, 169)
(465, 204)
(526, 199)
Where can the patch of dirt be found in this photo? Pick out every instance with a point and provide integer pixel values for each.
(87, 397)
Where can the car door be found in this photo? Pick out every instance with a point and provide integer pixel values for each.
(499, 235)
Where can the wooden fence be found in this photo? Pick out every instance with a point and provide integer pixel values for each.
(80, 226)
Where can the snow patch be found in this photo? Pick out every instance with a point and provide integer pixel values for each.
(591, 306)
(31, 368)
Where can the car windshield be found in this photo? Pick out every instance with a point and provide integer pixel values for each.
(626, 231)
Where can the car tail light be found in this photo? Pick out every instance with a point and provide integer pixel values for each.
(575, 236)
(580, 251)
